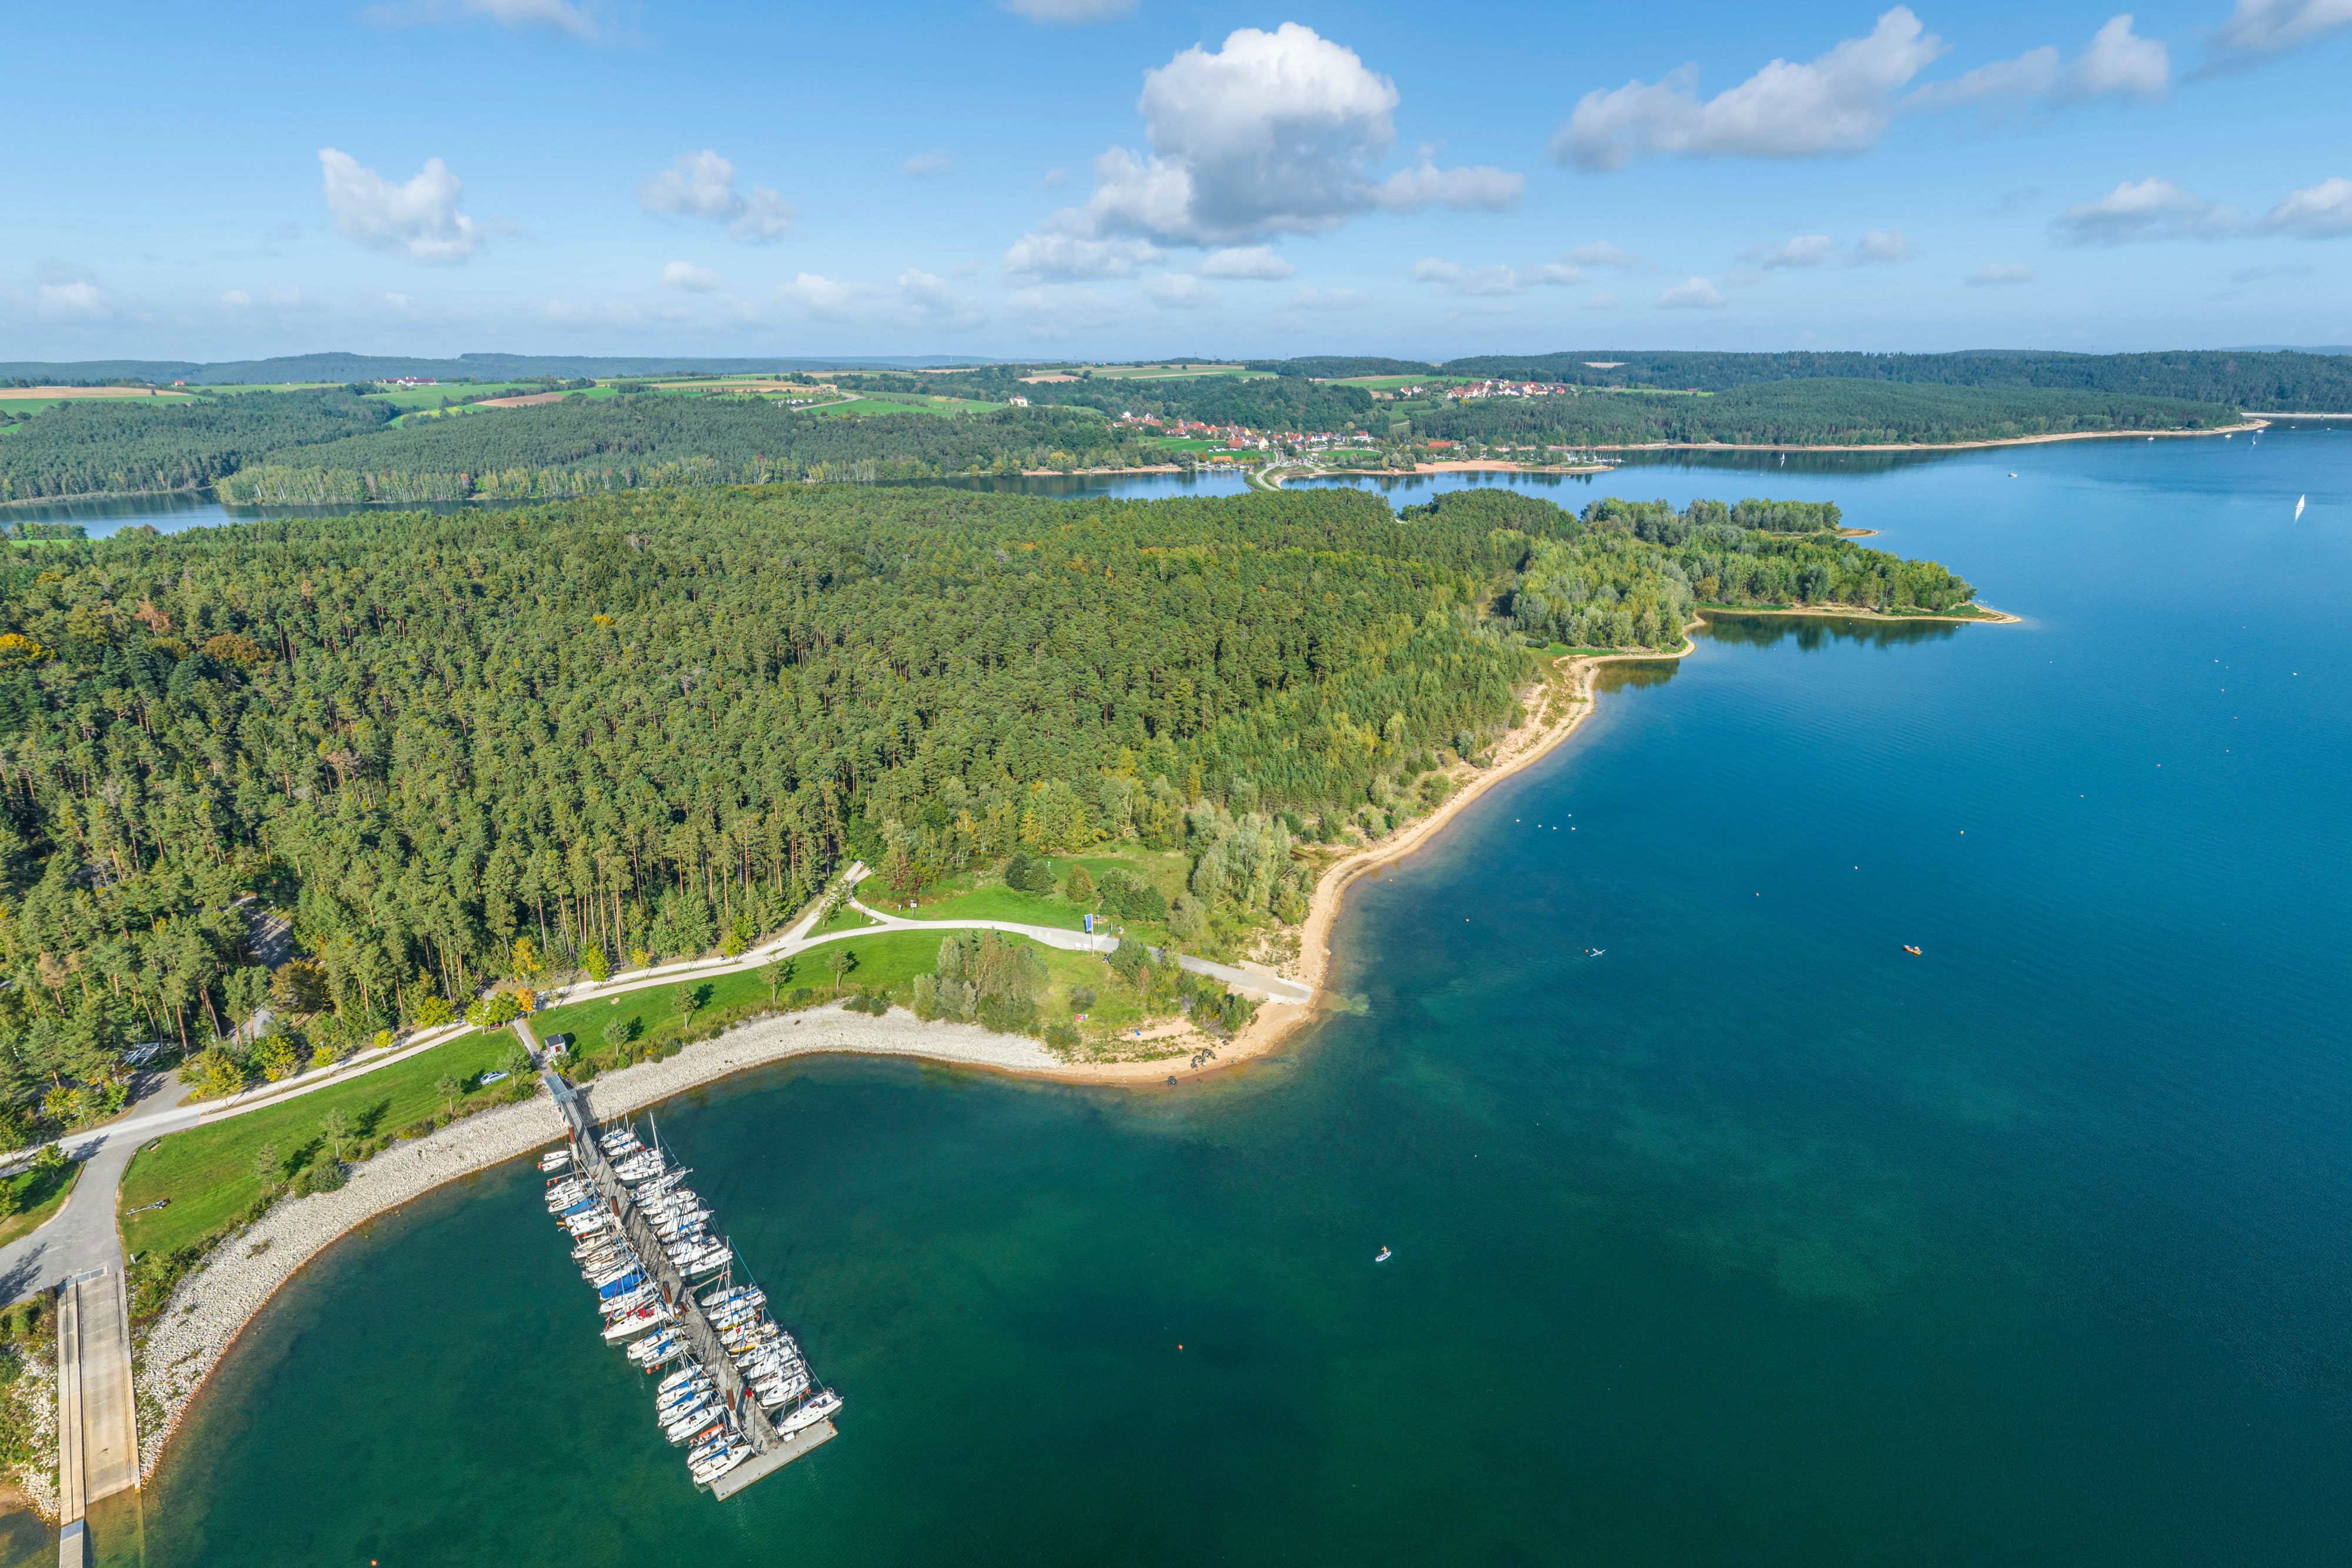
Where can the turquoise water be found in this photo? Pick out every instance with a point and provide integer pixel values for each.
(1755, 1239)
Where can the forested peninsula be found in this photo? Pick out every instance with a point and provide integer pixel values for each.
(457, 750)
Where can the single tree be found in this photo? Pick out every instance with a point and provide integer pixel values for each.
(1080, 888)
(773, 976)
(617, 1031)
(335, 1127)
(683, 1001)
(449, 1089)
(838, 963)
(264, 1164)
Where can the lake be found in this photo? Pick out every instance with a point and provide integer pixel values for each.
(1754, 1239)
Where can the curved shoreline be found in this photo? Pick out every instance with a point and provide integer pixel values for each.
(214, 1306)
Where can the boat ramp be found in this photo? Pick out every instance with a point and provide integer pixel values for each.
(734, 1391)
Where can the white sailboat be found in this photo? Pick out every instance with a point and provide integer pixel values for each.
(2299, 500)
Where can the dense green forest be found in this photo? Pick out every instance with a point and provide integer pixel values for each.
(655, 723)
(342, 367)
(94, 445)
(2274, 380)
(1261, 403)
(1808, 413)
(589, 446)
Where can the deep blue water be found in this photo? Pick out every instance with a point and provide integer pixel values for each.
(1755, 1240)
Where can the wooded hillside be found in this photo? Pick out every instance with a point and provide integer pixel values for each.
(656, 722)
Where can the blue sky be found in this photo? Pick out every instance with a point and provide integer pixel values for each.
(1083, 177)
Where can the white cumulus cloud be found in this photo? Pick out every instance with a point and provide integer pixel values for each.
(1271, 133)
(1692, 294)
(2317, 211)
(1069, 255)
(1999, 275)
(2150, 209)
(2119, 63)
(419, 220)
(702, 186)
(922, 165)
(1256, 261)
(686, 275)
(1841, 102)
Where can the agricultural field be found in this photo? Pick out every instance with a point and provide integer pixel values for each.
(1165, 373)
(866, 404)
(409, 399)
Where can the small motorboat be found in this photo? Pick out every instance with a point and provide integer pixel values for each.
(2012, 473)
(555, 1160)
(1910, 949)
(1382, 1256)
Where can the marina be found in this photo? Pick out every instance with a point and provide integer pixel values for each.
(736, 1392)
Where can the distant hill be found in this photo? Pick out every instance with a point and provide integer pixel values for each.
(474, 367)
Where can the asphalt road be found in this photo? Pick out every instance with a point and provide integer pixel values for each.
(82, 1235)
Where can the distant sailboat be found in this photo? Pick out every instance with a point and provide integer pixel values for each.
(2299, 500)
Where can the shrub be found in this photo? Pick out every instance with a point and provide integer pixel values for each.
(217, 1074)
(803, 996)
(277, 1058)
(498, 1008)
(1080, 888)
(1082, 998)
(431, 1010)
(1062, 1036)
(1024, 874)
(327, 1177)
(599, 968)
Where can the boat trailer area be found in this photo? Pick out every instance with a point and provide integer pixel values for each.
(644, 1246)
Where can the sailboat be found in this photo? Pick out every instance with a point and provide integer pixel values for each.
(2299, 500)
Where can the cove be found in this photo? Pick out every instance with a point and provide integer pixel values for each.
(1756, 1239)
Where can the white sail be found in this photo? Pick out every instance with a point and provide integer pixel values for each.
(2299, 500)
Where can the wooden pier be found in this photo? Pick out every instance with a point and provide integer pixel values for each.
(770, 1451)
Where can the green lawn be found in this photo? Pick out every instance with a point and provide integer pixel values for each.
(885, 961)
(40, 1194)
(207, 1172)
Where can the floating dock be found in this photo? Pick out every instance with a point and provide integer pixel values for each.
(770, 1450)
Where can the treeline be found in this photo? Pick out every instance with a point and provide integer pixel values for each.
(570, 449)
(1261, 403)
(1810, 413)
(2282, 380)
(88, 445)
(1628, 574)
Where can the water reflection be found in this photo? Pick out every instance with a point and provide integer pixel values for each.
(1813, 633)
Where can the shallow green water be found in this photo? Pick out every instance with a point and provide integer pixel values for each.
(1755, 1239)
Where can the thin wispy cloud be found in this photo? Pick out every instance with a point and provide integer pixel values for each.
(589, 24)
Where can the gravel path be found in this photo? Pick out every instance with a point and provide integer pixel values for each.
(213, 1304)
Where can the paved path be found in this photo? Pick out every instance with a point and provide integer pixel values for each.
(81, 1236)
(49, 1254)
